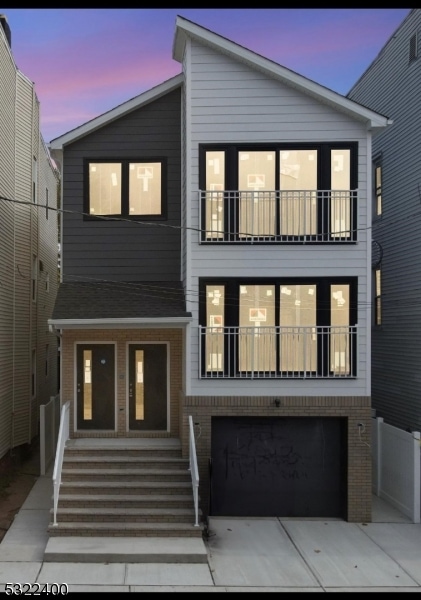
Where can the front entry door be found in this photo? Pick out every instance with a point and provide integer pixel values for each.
(95, 386)
(148, 387)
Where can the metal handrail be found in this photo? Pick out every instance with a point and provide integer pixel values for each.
(63, 436)
(194, 471)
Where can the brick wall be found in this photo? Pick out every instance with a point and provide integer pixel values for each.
(354, 409)
(121, 338)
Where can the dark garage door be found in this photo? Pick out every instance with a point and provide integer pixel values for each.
(283, 467)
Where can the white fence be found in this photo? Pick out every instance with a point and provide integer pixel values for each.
(49, 427)
(396, 467)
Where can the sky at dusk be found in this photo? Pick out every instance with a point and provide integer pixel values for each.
(85, 62)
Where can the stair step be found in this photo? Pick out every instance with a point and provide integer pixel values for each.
(150, 549)
(127, 487)
(99, 462)
(121, 515)
(104, 500)
(106, 474)
(129, 529)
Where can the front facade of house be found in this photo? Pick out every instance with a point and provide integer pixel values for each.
(217, 266)
(396, 230)
(28, 253)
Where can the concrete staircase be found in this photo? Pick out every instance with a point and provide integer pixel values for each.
(125, 488)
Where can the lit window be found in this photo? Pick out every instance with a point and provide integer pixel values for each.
(126, 188)
(378, 297)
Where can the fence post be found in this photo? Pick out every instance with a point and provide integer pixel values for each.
(379, 424)
(416, 517)
(42, 439)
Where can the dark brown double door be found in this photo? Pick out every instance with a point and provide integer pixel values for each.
(147, 387)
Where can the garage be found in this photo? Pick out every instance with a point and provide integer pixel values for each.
(278, 466)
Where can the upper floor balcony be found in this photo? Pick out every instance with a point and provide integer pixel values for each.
(278, 217)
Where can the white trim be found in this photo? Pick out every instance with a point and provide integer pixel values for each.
(75, 428)
(117, 112)
(141, 322)
(142, 343)
(186, 29)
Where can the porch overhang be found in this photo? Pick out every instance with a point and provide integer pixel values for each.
(124, 323)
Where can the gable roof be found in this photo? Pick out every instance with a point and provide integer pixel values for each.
(186, 29)
(119, 111)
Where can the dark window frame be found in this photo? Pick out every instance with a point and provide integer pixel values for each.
(231, 174)
(125, 214)
(378, 298)
(232, 304)
(377, 188)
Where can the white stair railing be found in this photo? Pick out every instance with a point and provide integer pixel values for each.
(63, 436)
(194, 471)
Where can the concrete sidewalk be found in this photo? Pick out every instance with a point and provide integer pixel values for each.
(243, 554)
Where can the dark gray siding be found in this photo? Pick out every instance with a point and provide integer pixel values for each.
(123, 250)
(392, 86)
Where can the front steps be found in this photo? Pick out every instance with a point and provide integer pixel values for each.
(131, 488)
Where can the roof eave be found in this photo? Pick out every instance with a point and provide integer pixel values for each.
(120, 323)
(185, 28)
(116, 113)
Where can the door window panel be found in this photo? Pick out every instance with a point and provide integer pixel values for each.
(257, 334)
(215, 185)
(340, 203)
(214, 347)
(257, 199)
(340, 347)
(139, 386)
(87, 385)
(297, 317)
(298, 182)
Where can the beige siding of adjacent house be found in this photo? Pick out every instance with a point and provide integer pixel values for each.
(7, 189)
(23, 323)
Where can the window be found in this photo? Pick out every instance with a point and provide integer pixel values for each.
(378, 297)
(47, 352)
(278, 328)
(34, 278)
(33, 374)
(281, 193)
(47, 200)
(413, 50)
(34, 180)
(126, 188)
(378, 189)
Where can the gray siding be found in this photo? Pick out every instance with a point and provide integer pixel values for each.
(230, 102)
(124, 251)
(392, 86)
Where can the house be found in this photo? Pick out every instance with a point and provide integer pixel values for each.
(392, 85)
(28, 251)
(216, 278)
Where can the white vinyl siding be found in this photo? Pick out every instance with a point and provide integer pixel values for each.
(231, 103)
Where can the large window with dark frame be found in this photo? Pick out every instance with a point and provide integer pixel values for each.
(278, 327)
(278, 193)
(129, 188)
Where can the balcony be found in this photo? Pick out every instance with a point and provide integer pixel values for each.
(278, 352)
(274, 217)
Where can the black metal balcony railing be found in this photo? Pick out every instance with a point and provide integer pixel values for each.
(277, 352)
(292, 216)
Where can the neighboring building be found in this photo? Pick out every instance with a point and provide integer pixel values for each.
(392, 85)
(216, 264)
(28, 251)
